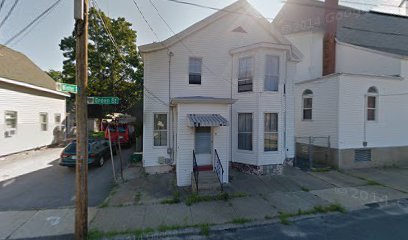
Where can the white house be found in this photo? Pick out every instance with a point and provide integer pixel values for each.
(222, 88)
(352, 83)
(31, 110)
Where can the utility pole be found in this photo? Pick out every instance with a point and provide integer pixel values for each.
(81, 180)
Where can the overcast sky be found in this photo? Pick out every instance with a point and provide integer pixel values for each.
(41, 42)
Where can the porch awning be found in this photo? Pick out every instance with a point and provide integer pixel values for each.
(206, 120)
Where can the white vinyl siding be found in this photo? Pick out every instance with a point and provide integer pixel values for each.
(195, 68)
(44, 121)
(245, 128)
(160, 130)
(245, 74)
(271, 82)
(271, 135)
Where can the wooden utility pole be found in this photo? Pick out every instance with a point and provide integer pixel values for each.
(81, 34)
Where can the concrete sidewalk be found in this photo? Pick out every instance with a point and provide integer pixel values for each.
(136, 207)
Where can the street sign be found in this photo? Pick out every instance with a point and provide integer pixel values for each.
(64, 87)
(103, 100)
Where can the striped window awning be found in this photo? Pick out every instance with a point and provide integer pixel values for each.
(206, 120)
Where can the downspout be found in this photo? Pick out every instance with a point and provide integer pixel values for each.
(171, 135)
(231, 125)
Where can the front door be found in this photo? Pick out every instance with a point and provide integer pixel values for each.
(203, 146)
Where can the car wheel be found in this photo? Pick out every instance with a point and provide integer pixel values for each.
(101, 161)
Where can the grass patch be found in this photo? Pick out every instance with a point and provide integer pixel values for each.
(240, 221)
(196, 198)
(95, 234)
(205, 229)
(267, 217)
(138, 197)
(105, 204)
(373, 183)
(322, 170)
(284, 217)
(305, 189)
(113, 191)
(174, 199)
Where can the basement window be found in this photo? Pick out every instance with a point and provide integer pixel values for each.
(362, 155)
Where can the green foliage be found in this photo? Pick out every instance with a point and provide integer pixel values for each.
(56, 75)
(205, 229)
(110, 73)
(173, 200)
(196, 198)
(284, 217)
(240, 221)
(305, 189)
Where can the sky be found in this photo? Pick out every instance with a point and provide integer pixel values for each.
(41, 42)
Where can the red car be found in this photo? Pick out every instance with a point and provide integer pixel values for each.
(124, 131)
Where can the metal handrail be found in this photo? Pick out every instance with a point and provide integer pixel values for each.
(195, 170)
(219, 170)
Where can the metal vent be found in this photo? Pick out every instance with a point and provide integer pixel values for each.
(362, 155)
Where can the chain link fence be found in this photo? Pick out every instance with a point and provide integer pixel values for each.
(312, 152)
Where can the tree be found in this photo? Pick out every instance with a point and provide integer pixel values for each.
(56, 75)
(112, 72)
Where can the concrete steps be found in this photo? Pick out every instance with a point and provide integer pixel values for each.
(207, 182)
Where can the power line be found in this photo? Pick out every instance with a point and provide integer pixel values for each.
(147, 22)
(9, 12)
(34, 21)
(112, 39)
(1, 4)
(217, 9)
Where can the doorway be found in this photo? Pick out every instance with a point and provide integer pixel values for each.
(203, 146)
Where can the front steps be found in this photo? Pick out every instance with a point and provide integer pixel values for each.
(207, 182)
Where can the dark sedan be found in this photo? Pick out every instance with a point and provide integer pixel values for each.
(98, 153)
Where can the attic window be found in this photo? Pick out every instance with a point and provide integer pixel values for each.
(239, 30)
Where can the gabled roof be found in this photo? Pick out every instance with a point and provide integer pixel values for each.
(240, 6)
(374, 30)
(19, 68)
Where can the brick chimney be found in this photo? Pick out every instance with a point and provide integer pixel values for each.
(329, 41)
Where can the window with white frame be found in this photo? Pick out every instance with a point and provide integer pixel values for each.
(245, 131)
(307, 104)
(271, 134)
(245, 74)
(195, 67)
(160, 129)
(271, 82)
(57, 120)
(372, 96)
(11, 123)
(44, 121)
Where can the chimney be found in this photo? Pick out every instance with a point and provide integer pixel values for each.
(329, 41)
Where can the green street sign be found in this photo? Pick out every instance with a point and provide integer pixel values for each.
(64, 87)
(103, 100)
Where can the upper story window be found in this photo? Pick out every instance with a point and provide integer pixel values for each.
(195, 67)
(271, 82)
(307, 104)
(245, 74)
(44, 121)
(160, 129)
(11, 123)
(372, 96)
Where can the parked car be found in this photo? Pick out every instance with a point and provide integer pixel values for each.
(98, 153)
(126, 133)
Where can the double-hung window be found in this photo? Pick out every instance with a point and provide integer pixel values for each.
(44, 121)
(372, 104)
(271, 134)
(307, 104)
(11, 123)
(195, 67)
(271, 82)
(245, 131)
(245, 74)
(160, 130)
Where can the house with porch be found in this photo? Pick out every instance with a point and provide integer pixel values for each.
(352, 84)
(219, 93)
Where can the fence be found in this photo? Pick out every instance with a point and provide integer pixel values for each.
(313, 152)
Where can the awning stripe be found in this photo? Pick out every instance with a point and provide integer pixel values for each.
(206, 120)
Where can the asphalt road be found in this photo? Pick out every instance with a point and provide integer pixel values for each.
(54, 187)
(372, 224)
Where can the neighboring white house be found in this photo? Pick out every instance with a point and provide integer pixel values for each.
(222, 87)
(362, 104)
(31, 110)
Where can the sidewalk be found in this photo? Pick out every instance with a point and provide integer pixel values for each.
(136, 206)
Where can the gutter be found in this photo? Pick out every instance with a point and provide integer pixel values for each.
(27, 85)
